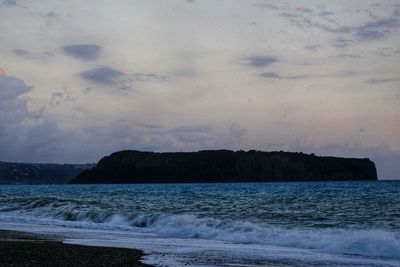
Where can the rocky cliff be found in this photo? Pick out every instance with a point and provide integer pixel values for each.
(224, 166)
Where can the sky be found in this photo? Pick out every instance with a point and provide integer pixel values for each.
(82, 79)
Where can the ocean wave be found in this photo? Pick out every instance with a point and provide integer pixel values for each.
(374, 243)
(367, 242)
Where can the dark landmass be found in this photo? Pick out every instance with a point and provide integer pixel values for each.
(224, 166)
(32, 173)
(25, 249)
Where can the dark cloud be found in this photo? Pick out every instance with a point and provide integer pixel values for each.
(268, 6)
(8, 3)
(259, 61)
(335, 29)
(27, 138)
(309, 22)
(11, 88)
(342, 42)
(347, 55)
(13, 113)
(273, 75)
(373, 30)
(397, 12)
(305, 10)
(366, 35)
(348, 74)
(21, 52)
(52, 15)
(383, 23)
(82, 51)
(13, 104)
(288, 15)
(377, 29)
(109, 76)
(377, 81)
(154, 77)
(325, 13)
(23, 137)
(102, 75)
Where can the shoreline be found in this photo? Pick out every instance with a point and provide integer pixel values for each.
(29, 249)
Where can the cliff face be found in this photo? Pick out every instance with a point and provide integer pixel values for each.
(31, 173)
(224, 166)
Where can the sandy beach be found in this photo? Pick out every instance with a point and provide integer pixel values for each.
(26, 249)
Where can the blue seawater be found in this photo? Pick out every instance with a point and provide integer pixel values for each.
(361, 219)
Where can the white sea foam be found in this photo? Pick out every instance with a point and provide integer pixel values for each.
(176, 252)
(376, 243)
(370, 243)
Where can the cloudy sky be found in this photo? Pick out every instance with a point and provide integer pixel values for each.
(82, 79)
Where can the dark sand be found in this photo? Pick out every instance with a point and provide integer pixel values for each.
(25, 249)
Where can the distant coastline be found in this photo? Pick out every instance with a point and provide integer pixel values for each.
(39, 173)
(216, 166)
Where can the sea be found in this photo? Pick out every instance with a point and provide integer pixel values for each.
(234, 224)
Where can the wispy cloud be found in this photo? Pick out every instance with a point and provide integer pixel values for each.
(342, 42)
(377, 81)
(305, 10)
(82, 51)
(289, 15)
(274, 75)
(111, 77)
(377, 29)
(364, 34)
(347, 55)
(29, 55)
(59, 97)
(325, 13)
(268, 6)
(348, 74)
(153, 77)
(21, 52)
(260, 61)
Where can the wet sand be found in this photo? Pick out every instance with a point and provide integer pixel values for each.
(26, 249)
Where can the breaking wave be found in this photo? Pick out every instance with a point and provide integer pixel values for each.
(367, 242)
